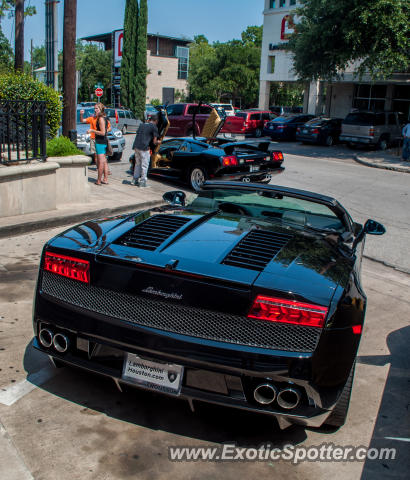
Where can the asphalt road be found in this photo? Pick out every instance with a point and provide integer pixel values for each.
(68, 425)
(365, 192)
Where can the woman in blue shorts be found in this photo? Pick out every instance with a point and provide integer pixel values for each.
(101, 144)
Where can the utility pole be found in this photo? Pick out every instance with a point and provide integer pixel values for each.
(69, 72)
(19, 36)
(51, 44)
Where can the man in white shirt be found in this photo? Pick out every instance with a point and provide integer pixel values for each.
(405, 154)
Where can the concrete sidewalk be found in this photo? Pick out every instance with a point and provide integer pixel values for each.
(105, 200)
(389, 160)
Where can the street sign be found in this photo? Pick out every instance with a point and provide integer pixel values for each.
(99, 85)
(99, 92)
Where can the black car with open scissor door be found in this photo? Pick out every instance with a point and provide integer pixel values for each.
(194, 160)
(244, 295)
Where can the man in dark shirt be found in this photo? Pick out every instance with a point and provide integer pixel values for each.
(147, 134)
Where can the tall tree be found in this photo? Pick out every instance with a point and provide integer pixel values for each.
(6, 54)
(94, 66)
(19, 36)
(228, 69)
(129, 52)
(69, 73)
(332, 34)
(140, 83)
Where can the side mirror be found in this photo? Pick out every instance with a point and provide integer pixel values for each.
(176, 198)
(374, 228)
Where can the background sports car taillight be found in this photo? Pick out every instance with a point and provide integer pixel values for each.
(70, 267)
(229, 161)
(281, 310)
(277, 156)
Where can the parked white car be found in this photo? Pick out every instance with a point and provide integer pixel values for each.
(229, 110)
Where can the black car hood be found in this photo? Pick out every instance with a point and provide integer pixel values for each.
(306, 265)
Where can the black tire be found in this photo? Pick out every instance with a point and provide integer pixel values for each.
(258, 133)
(329, 141)
(339, 414)
(116, 157)
(197, 176)
(124, 129)
(383, 143)
(189, 133)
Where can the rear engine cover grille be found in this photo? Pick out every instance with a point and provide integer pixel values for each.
(257, 249)
(181, 319)
(149, 234)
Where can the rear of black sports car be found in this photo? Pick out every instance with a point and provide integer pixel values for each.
(200, 307)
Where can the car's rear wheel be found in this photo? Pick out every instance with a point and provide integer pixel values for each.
(124, 129)
(197, 177)
(339, 414)
(329, 141)
(258, 132)
(383, 143)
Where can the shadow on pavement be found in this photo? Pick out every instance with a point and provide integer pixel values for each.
(392, 428)
(158, 412)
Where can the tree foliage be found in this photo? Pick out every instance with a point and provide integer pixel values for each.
(18, 86)
(94, 66)
(129, 52)
(38, 57)
(226, 70)
(6, 54)
(140, 80)
(374, 34)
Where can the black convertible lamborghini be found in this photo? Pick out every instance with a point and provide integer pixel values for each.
(194, 160)
(245, 295)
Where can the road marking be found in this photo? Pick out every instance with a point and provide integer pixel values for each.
(15, 391)
(399, 439)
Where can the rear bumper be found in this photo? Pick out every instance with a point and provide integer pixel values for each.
(251, 176)
(214, 372)
(355, 139)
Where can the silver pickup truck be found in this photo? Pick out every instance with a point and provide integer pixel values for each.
(379, 129)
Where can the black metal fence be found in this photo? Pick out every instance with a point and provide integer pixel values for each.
(22, 130)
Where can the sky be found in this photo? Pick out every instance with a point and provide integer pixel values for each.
(218, 20)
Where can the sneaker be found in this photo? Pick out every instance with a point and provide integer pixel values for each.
(143, 183)
(135, 182)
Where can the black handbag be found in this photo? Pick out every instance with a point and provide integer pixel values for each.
(108, 151)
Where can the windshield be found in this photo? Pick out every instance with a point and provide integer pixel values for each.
(268, 206)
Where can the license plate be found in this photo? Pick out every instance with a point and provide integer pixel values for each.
(254, 168)
(164, 377)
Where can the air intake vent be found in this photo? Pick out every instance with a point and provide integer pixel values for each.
(256, 249)
(149, 234)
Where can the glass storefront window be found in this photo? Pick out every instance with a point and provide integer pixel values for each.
(272, 3)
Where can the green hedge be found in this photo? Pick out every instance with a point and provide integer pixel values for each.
(18, 86)
(61, 147)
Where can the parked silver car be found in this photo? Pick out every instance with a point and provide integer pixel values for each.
(114, 136)
(379, 129)
(124, 120)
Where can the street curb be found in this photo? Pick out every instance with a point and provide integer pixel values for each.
(384, 167)
(34, 226)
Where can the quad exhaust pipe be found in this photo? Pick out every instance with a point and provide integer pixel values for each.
(287, 398)
(59, 341)
(265, 393)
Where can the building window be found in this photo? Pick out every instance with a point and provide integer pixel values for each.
(272, 3)
(292, 2)
(271, 64)
(369, 97)
(282, 3)
(182, 53)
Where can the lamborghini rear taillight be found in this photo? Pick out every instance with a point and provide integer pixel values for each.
(277, 156)
(229, 161)
(281, 310)
(70, 267)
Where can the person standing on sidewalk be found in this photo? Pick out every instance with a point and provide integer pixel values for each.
(405, 154)
(100, 133)
(92, 121)
(147, 133)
